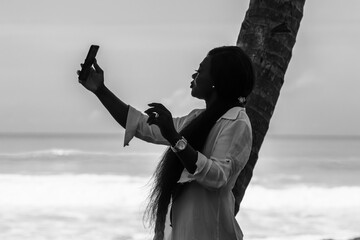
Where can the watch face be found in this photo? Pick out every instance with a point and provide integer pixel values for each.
(182, 145)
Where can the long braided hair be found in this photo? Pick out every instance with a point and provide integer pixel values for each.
(233, 75)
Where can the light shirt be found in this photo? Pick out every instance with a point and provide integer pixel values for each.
(205, 208)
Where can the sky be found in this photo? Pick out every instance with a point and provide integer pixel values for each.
(149, 50)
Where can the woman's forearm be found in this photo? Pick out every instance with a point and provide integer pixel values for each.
(117, 108)
(188, 156)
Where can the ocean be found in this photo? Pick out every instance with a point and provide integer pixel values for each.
(88, 186)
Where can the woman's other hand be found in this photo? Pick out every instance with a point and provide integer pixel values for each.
(161, 117)
(95, 80)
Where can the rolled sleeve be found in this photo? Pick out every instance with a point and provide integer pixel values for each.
(212, 172)
(229, 156)
(132, 121)
(136, 125)
(202, 165)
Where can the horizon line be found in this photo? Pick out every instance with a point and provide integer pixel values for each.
(119, 134)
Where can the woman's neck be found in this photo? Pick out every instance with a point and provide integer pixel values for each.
(211, 100)
(216, 100)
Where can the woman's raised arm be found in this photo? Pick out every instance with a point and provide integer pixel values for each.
(95, 83)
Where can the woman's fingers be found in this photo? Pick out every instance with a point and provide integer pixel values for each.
(153, 116)
(151, 120)
(154, 109)
(156, 116)
(97, 67)
(159, 107)
(159, 115)
(156, 112)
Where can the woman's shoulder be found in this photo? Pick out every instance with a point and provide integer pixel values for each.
(235, 113)
(236, 117)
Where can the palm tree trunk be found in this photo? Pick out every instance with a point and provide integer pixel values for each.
(268, 35)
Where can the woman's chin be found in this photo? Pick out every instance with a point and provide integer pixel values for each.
(196, 96)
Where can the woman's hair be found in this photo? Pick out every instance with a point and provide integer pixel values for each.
(233, 75)
(232, 71)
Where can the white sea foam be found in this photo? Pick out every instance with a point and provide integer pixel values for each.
(62, 152)
(302, 197)
(84, 190)
(300, 212)
(111, 205)
(72, 207)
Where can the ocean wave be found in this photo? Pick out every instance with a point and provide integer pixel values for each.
(59, 152)
(302, 197)
(87, 206)
(22, 188)
(116, 202)
(67, 190)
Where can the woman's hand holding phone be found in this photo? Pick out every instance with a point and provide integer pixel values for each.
(95, 79)
(91, 76)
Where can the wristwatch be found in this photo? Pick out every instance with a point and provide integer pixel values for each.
(179, 145)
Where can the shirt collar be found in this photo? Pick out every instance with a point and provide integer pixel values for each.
(232, 113)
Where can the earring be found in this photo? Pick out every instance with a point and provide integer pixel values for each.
(242, 99)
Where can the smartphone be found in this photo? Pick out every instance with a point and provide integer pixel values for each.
(89, 61)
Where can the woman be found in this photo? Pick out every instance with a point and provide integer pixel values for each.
(208, 147)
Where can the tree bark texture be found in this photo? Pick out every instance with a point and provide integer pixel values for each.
(267, 35)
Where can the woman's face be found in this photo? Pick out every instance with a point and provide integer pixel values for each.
(202, 84)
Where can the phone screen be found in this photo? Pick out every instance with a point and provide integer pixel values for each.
(89, 61)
